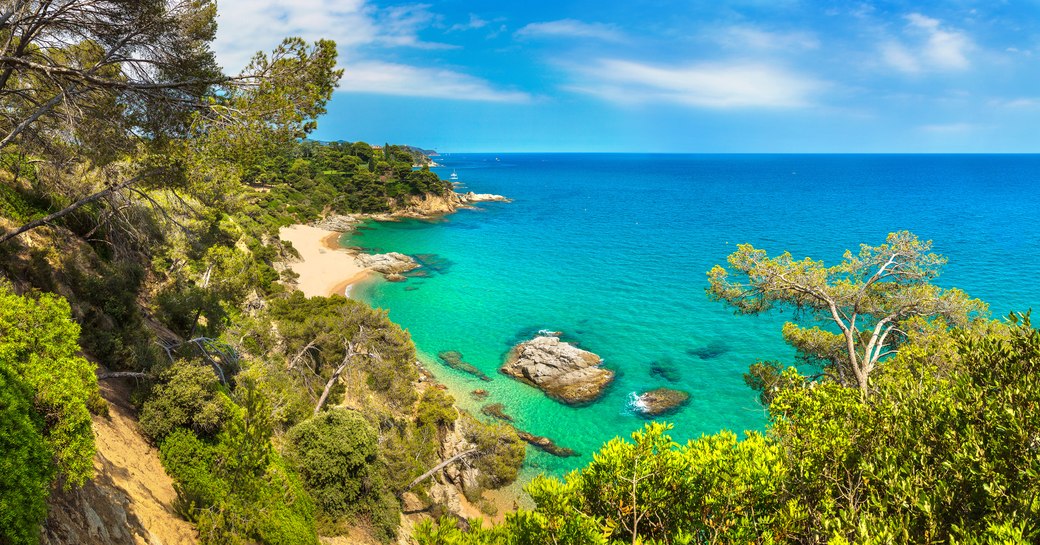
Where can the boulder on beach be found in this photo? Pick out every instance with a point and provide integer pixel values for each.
(660, 401)
(563, 371)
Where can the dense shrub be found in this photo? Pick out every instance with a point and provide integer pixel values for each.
(38, 350)
(26, 466)
(187, 396)
(336, 456)
(234, 487)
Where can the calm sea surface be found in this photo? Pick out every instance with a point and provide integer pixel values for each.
(613, 250)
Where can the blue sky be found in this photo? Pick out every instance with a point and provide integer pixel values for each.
(668, 76)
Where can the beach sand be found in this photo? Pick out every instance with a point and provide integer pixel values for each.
(325, 268)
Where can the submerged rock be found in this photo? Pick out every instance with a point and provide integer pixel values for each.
(453, 359)
(563, 371)
(665, 369)
(709, 351)
(546, 445)
(660, 401)
(496, 410)
(479, 394)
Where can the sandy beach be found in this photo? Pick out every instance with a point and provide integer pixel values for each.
(325, 268)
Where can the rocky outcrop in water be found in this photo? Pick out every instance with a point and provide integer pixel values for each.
(660, 401)
(496, 410)
(563, 371)
(546, 445)
(471, 198)
(436, 204)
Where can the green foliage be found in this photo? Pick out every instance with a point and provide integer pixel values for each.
(312, 178)
(188, 396)
(38, 349)
(336, 456)
(26, 464)
(501, 452)
(936, 456)
(436, 409)
(234, 487)
(868, 298)
(106, 295)
(313, 334)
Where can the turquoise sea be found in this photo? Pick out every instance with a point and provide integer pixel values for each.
(612, 249)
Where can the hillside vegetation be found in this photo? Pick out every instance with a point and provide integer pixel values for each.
(141, 191)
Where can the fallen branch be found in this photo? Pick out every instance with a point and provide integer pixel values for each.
(437, 468)
(68, 209)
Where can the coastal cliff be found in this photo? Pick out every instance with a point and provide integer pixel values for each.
(436, 204)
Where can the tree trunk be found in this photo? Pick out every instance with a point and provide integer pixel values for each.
(68, 209)
(437, 468)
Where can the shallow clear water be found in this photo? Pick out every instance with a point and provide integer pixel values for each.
(613, 250)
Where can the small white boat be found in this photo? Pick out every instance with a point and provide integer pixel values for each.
(453, 176)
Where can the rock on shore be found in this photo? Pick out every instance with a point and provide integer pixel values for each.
(338, 223)
(390, 265)
(563, 371)
(660, 401)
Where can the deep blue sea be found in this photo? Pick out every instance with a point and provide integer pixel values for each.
(612, 249)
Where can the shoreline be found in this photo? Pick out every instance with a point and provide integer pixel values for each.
(325, 267)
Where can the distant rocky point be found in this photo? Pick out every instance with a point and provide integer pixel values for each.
(471, 197)
(563, 371)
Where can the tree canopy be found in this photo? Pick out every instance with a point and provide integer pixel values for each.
(869, 298)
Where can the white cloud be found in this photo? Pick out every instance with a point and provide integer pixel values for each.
(750, 37)
(474, 23)
(1021, 102)
(571, 28)
(404, 80)
(247, 26)
(932, 47)
(722, 85)
(951, 128)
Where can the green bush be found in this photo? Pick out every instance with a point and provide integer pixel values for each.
(188, 396)
(26, 466)
(38, 348)
(336, 456)
(235, 489)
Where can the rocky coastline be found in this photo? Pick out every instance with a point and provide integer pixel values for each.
(391, 265)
